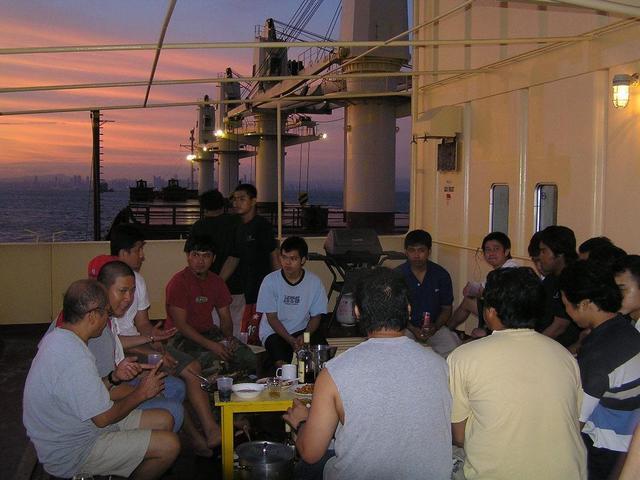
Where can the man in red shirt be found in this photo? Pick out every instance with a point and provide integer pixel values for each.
(191, 296)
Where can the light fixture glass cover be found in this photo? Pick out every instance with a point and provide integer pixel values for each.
(621, 84)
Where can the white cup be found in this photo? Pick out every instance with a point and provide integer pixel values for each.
(287, 372)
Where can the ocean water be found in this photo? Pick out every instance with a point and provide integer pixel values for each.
(67, 215)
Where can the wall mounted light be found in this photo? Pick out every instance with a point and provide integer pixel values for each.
(621, 85)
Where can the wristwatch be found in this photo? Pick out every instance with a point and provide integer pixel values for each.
(111, 380)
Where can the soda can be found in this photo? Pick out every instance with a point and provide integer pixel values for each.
(426, 320)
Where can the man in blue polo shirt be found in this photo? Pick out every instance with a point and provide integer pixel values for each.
(429, 285)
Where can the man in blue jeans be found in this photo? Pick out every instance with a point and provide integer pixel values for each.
(118, 279)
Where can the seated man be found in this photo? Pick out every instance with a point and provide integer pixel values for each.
(292, 301)
(137, 334)
(191, 296)
(627, 277)
(557, 251)
(430, 289)
(107, 349)
(68, 413)
(516, 393)
(609, 363)
(389, 421)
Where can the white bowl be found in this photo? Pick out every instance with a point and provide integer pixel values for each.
(247, 390)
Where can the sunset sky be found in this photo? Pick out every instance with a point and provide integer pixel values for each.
(139, 143)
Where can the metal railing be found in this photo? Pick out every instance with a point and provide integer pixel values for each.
(295, 218)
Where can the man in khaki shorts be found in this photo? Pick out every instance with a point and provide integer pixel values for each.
(76, 420)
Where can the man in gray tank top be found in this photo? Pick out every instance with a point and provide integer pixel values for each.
(386, 401)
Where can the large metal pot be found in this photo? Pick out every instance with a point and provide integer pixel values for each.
(265, 460)
(320, 354)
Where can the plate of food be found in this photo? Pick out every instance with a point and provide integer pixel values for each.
(304, 390)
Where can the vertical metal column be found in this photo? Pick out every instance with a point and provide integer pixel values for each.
(95, 129)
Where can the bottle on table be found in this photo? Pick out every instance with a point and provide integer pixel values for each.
(427, 326)
(306, 373)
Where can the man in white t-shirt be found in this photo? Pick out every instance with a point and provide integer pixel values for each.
(292, 301)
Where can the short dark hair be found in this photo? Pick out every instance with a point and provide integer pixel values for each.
(561, 240)
(630, 263)
(211, 200)
(606, 254)
(112, 271)
(592, 243)
(517, 296)
(534, 245)
(247, 188)
(295, 243)
(589, 280)
(418, 237)
(499, 237)
(200, 243)
(81, 297)
(382, 297)
(124, 237)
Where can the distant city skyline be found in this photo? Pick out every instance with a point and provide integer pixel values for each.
(139, 143)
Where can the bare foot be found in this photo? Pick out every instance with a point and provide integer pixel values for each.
(200, 446)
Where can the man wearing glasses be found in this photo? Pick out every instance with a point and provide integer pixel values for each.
(191, 296)
(76, 422)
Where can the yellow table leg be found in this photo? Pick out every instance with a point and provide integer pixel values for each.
(227, 442)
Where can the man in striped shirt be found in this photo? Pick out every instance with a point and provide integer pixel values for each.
(609, 363)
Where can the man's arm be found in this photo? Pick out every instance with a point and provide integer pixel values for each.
(229, 266)
(179, 316)
(417, 331)
(443, 317)
(321, 420)
(631, 468)
(279, 328)
(226, 323)
(148, 388)
(145, 327)
(314, 323)
(457, 433)
(557, 327)
(275, 259)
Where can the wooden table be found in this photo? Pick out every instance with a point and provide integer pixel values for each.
(262, 403)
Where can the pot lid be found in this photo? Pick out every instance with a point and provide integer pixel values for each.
(264, 452)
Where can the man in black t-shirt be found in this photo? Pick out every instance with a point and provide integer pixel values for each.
(557, 250)
(255, 253)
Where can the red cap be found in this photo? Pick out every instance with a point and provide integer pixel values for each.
(97, 263)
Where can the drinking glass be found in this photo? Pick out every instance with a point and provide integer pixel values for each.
(154, 358)
(273, 387)
(224, 388)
